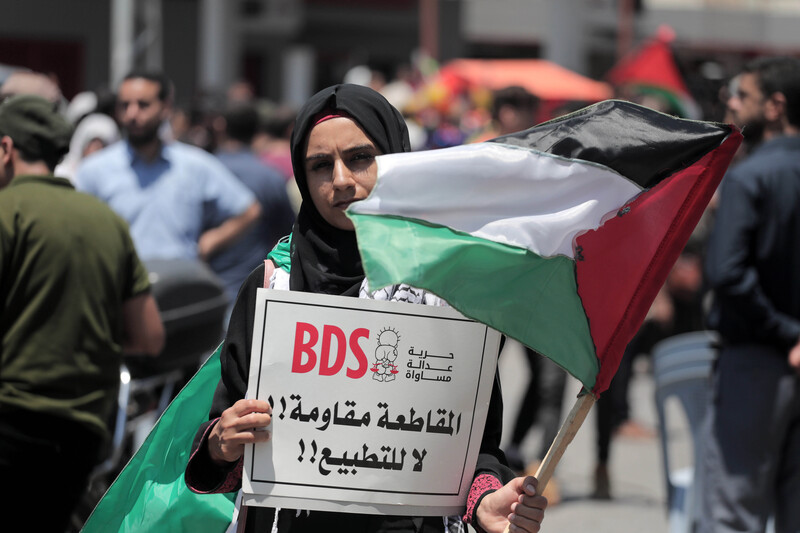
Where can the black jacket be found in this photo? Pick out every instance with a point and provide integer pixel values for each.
(753, 257)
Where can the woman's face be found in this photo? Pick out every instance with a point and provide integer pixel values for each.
(340, 168)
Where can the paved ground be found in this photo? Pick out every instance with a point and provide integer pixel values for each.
(638, 488)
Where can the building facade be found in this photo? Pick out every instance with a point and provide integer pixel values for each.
(289, 48)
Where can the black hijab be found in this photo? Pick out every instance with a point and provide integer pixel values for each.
(325, 259)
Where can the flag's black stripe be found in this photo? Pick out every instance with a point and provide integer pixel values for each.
(641, 144)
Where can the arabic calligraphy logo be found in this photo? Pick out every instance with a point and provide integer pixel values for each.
(384, 368)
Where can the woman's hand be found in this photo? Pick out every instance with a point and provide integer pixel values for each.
(243, 423)
(516, 503)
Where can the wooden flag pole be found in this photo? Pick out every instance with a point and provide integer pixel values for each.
(565, 435)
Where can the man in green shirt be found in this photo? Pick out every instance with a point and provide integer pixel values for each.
(73, 297)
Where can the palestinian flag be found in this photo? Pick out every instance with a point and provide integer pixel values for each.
(559, 236)
(150, 494)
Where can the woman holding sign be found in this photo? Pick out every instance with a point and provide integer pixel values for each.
(338, 135)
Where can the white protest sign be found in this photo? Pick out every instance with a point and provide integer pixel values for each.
(378, 407)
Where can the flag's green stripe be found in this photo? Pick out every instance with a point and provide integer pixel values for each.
(527, 297)
(150, 494)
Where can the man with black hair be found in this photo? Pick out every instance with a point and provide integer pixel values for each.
(271, 142)
(514, 109)
(237, 261)
(752, 463)
(73, 297)
(179, 200)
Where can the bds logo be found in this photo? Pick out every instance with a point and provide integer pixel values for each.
(334, 350)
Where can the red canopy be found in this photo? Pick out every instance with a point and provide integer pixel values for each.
(543, 78)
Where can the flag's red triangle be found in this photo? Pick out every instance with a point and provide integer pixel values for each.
(621, 266)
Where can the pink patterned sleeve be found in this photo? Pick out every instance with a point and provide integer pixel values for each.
(481, 486)
(205, 477)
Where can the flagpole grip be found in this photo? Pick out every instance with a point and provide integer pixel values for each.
(565, 435)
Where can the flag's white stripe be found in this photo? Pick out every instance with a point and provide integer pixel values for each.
(499, 192)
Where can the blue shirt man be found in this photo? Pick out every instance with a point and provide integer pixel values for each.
(237, 261)
(179, 201)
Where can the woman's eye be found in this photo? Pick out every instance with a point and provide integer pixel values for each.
(363, 156)
(319, 165)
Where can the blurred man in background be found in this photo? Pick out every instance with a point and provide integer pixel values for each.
(73, 297)
(179, 200)
(237, 261)
(752, 463)
(513, 109)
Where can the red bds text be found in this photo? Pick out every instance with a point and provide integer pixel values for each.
(331, 353)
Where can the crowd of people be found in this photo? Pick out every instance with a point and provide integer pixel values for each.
(223, 185)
